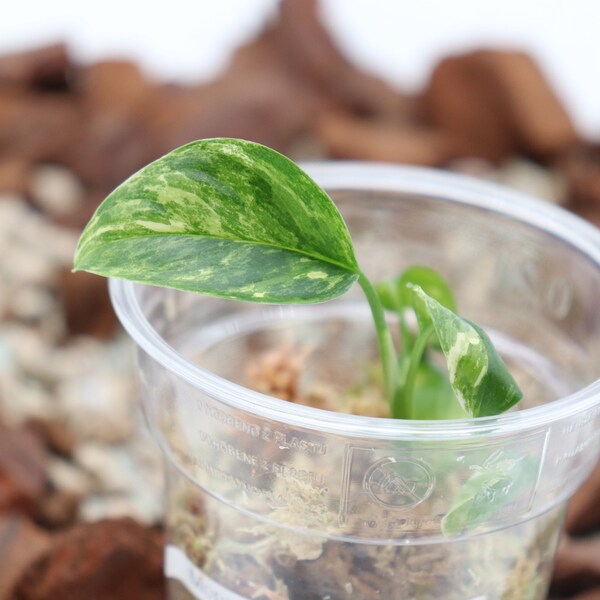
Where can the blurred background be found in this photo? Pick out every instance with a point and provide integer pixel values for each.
(507, 91)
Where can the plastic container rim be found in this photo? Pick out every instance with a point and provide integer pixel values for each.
(380, 177)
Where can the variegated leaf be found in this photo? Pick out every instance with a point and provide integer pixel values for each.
(478, 376)
(224, 217)
(491, 487)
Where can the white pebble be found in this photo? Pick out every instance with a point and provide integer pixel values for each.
(68, 477)
(98, 406)
(22, 265)
(23, 398)
(32, 303)
(535, 180)
(56, 189)
(111, 468)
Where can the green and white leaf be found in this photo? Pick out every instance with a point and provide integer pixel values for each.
(491, 488)
(224, 217)
(478, 376)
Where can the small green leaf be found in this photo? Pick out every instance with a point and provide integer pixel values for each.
(493, 486)
(397, 294)
(223, 217)
(389, 295)
(478, 376)
(433, 397)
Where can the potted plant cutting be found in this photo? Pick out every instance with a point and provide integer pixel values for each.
(440, 498)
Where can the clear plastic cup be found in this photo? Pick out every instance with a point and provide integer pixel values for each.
(269, 499)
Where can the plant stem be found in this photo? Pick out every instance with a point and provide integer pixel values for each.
(404, 395)
(405, 335)
(384, 339)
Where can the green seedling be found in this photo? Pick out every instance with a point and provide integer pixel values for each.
(234, 219)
